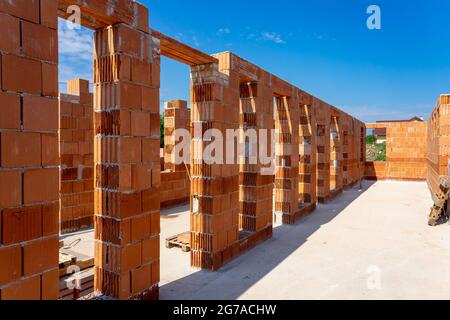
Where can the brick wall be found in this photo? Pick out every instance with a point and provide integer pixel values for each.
(438, 151)
(76, 139)
(406, 152)
(29, 150)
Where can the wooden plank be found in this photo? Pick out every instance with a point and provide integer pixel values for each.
(96, 14)
(181, 52)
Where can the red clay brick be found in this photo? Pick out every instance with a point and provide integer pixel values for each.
(155, 272)
(41, 185)
(10, 188)
(39, 42)
(9, 110)
(150, 99)
(49, 13)
(141, 279)
(25, 9)
(49, 149)
(10, 264)
(21, 74)
(49, 79)
(50, 219)
(140, 228)
(20, 149)
(40, 113)
(140, 124)
(50, 285)
(10, 37)
(150, 250)
(131, 256)
(21, 224)
(34, 261)
(28, 289)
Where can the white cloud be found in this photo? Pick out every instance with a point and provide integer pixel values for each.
(272, 36)
(75, 44)
(189, 39)
(224, 31)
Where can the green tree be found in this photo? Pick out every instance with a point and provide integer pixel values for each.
(371, 139)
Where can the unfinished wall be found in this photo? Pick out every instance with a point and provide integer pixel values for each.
(76, 141)
(175, 182)
(438, 152)
(29, 150)
(127, 162)
(406, 152)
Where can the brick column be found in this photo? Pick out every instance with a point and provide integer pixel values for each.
(346, 178)
(307, 166)
(323, 153)
(127, 162)
(29, 150)
(76, 139)
(176, 116)
(287, 156)
(214, 222)
(255, 189)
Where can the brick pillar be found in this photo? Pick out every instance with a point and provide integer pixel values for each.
(214, 221)
(127, 164)
(287, 157)
(29, 150)
(76, 139)
(307, 145)
(323, 153)
(335, 154)
(255, 189)
(176, 116)
(346, 178)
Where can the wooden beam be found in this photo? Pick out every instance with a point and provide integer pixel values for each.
(96, 14)
(181, 52)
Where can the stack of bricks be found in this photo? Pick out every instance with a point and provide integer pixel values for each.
(438, 142)
(215, 193)
(255, 186)
(127, 161)
(175, 182)
(29, 150)
(287, 156)
(406, 152)
(76, 140)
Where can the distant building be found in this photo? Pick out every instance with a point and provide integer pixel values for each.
(380, 135)
(413, 119)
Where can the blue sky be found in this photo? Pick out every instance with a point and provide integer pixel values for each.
(323, 47)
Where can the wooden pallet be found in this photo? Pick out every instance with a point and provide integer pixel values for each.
(182, 241)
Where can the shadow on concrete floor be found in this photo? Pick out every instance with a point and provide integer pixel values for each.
(232, 280)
